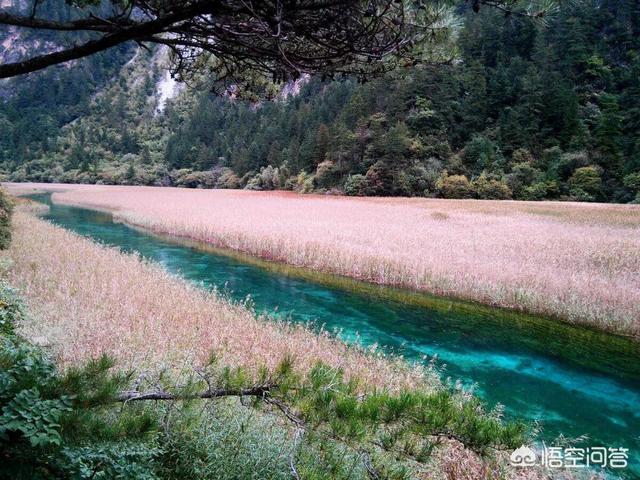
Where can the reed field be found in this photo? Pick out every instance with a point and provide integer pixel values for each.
(574, 261)
(88, 299)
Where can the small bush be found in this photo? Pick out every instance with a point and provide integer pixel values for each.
(326, 174)
(267, 179)
(481, 153)
(491, 188)
(586, 183)
(522, 155)
(6, 210)
(196, 180)
(303, 183)
(455, 186)
(228, 179)
(522, 175)
(380, 179)
(632, 181)
(356, 185)
(537, 191)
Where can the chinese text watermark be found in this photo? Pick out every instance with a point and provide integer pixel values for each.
(571, 457)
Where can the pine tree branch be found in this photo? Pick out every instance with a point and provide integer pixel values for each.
(91, 24)
(257, 391)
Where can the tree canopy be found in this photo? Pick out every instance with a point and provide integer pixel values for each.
(234, 40)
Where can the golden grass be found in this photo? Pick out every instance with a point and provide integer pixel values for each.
(577, 262)
(87, 299)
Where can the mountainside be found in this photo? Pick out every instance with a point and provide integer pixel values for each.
(525, 111)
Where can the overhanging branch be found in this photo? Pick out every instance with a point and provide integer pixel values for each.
(120, 33)
(231, 40)
(90, 24)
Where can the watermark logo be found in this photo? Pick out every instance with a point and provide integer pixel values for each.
(523, 457)
(571, 457)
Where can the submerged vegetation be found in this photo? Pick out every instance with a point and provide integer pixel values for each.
(579, 263)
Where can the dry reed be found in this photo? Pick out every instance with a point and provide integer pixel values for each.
(577, 262)
(87, 299)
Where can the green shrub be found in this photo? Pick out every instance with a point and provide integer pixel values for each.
(480, 154)
(522, 155)
(488, 188)
(53, 424)
(419, 179)
(522, 175)
(267, 179)
(564, 165)
(228, 441)
(380, 179)
(455, 186)
(302, 183)
(537, 191)
(356, 185)
(11, 307)
(632, 181)
(6, 210)
(122, 460)
(326, 175)
(586, 183)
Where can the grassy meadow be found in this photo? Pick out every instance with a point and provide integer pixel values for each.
(86, 299)
(574, 261)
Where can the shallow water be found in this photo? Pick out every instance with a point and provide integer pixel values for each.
(573, 381)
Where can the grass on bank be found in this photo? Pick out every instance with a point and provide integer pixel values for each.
(576, 262)
(88, 299)
(68, 424)
(308, 422)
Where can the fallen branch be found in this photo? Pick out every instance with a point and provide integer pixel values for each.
(257, 391)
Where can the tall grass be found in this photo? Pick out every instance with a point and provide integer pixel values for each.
(89, 299)
(577, 262)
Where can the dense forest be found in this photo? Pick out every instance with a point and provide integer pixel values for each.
(524, 110)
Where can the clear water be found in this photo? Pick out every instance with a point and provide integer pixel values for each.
(573, 381)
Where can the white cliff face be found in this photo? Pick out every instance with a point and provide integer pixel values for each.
(13, 46)
(292, 88)
(9, 36)
(166, 89)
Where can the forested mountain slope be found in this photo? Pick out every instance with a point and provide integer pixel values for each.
(524, 111)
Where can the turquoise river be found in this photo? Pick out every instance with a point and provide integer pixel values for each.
(571, 381)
